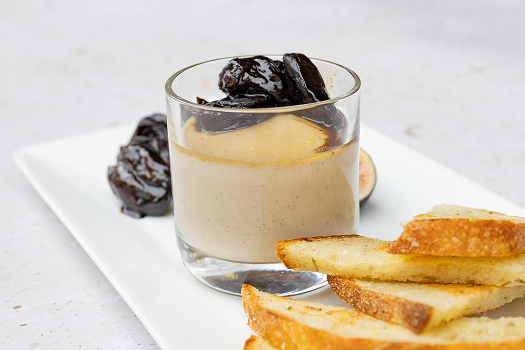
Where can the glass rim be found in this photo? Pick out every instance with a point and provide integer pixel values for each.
(172, 94)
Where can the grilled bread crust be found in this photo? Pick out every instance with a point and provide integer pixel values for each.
(404, 312)
(449, 230)
(292, 324)
(420, 307)
(355, 256)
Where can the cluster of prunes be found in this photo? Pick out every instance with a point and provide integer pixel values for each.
(141, 178)
(260, 82)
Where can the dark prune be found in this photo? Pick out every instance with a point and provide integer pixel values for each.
(141, 179)
(155, 128)
(216, 122)
(330, 118)
(242, 101)
(304, 81)
(251, 75)
(284, 103)
(297, 73)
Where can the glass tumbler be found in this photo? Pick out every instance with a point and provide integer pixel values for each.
(244, 179)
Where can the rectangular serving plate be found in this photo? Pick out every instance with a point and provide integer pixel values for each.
(140, 257)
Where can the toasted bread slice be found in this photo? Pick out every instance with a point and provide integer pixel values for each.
(360, 257)
(421, 307)
(256, 343)
(451, 230)
(292, 324)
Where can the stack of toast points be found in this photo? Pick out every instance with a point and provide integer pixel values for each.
(411, 293)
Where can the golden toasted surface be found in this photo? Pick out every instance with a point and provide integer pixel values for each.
(420, 307)
(447, 211)
(256, 343)
(449, 230)
(360, 257)
(292, 324)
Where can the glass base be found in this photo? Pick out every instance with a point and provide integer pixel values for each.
(228, 277)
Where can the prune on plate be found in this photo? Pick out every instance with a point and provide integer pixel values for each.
(141, 178)
(305, 83)
(155, 128)
(251, 75)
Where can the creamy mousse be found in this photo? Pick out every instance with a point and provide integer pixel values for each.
(237, 193)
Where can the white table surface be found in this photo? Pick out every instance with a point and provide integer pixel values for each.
(447, 79)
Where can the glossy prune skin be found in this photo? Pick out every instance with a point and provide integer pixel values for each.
(141, 179)
(155, 128)
(304, 81)
(251, 75)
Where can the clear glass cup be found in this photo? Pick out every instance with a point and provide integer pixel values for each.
(292, 173)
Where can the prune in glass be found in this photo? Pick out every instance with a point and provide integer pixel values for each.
(141, 179)
(256, 74)
(242, 101)
(330, 118)
(155, 129)
(305, 83)
(221, 121)
(284, 103)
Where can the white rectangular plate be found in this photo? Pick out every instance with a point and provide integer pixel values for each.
(141, 259)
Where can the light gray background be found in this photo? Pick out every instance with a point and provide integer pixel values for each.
(446, 78)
